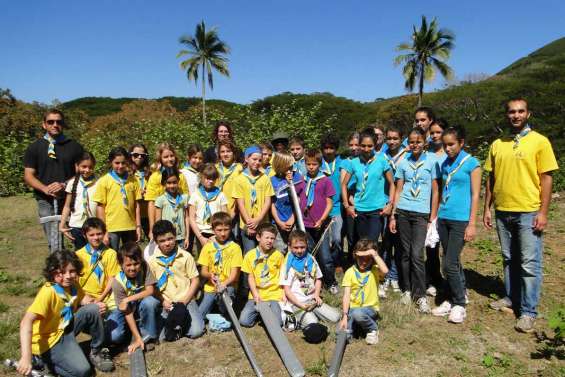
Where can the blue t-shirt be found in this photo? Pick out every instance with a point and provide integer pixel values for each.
(455, 201)
(371, 197)
(300, 166)
(333, 172)
(281, 200)
(393, 162)
(346, 165)
(417, 190)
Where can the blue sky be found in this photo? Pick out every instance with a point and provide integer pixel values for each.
(58, 49)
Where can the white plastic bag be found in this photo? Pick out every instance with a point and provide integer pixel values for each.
(432, 236)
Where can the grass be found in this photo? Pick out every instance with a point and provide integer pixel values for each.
(410, 344)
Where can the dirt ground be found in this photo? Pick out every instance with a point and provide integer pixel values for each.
(410, 344)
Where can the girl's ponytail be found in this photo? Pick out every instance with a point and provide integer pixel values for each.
(74, 192)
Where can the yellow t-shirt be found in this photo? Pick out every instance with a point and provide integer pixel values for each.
(48, 305)
(92, 284)
(242, 190)
(364, 287)
(118, 217)
(266, 277)
(155, 189)
(231, 258)
(516, 171)
(228, 184)
(183, 268)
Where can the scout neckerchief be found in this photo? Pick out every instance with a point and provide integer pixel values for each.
(68, 301)
(267, 170)
(187, 166)
(131, 287)
(451, 169)
(362, 279)
(95, 257)
(166, 262)
(302, 264)
(225, 174)
(526, 130)
(328, 168)
(208, 196)
(52, 141)
(218, 256)
(282, 190)
(366, 168)
(177, 205)
(122, 182)
(252, 181)
(311, 187)
(261, 257)
(84, 184)
(415, 181)
(140, 174)
(296, 165)
(393, 160)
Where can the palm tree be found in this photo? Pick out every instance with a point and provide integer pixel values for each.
(205, 51)
(429, 50)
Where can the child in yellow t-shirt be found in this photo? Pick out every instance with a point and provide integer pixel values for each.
(253, 192)
(220, 259)
(177, 284)
(43, 329)
(267, 159)
(360, 295)
(228, 169)
(262, 265)
(118, 195)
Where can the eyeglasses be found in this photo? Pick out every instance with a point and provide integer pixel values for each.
(51, 122)
(138, 155)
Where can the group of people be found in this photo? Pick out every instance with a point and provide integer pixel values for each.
(268, 225)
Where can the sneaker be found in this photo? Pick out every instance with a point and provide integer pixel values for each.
(372, 337)
(382, 291)
(423, 306)
(458, 314)
(101, 360)
(334, 290)
(442, 310)
(386, 284)
(431, 291)
(501, 304)
(406, 298)
(395, 286)
(467, 301)
(525, 323)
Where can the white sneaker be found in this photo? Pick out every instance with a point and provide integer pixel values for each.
(386, 284)
(431, 291)
(334, 290)
(423, 306)
(372, 337)
(458, 314)
(442, 310)
(406, 298)
(395, 286)
(382, 291)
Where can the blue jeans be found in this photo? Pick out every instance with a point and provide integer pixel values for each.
(51, 229)
(209, 300)
(249, 314)
(452, 237)
(369, 224)
(120, 238)
(365, 318)
(324, 255)
(80, 240)
(391, 253)
(522, 259)
(66, 358)
(146, 311)
(412, 228)
(247, 242)
(196, 326)
(335, 238)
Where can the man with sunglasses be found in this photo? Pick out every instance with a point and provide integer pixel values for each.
(48, 163)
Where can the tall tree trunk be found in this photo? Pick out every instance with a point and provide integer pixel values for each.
(203, 96)
(421, 86)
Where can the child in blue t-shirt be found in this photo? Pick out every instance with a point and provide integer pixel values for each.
(461, 183)
(352, 152)
(416, 192)
(282, 209)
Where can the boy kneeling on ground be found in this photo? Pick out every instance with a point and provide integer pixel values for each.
(360, 295)
(55, 317)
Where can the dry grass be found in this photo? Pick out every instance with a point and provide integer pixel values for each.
(410, 344)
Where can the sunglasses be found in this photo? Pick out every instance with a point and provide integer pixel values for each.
(138, 155)
(51, 122)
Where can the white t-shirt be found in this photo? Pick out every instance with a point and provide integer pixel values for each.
(77, 218)
(199, 203)
(192, 180)
(302, 285)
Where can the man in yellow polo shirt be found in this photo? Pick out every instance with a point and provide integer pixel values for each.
(520, 165)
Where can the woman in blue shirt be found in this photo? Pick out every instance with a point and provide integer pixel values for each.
(459, 200)
(416, 193)
(370, 203)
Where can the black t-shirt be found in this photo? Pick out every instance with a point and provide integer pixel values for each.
(49, 170)
(210, 155)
